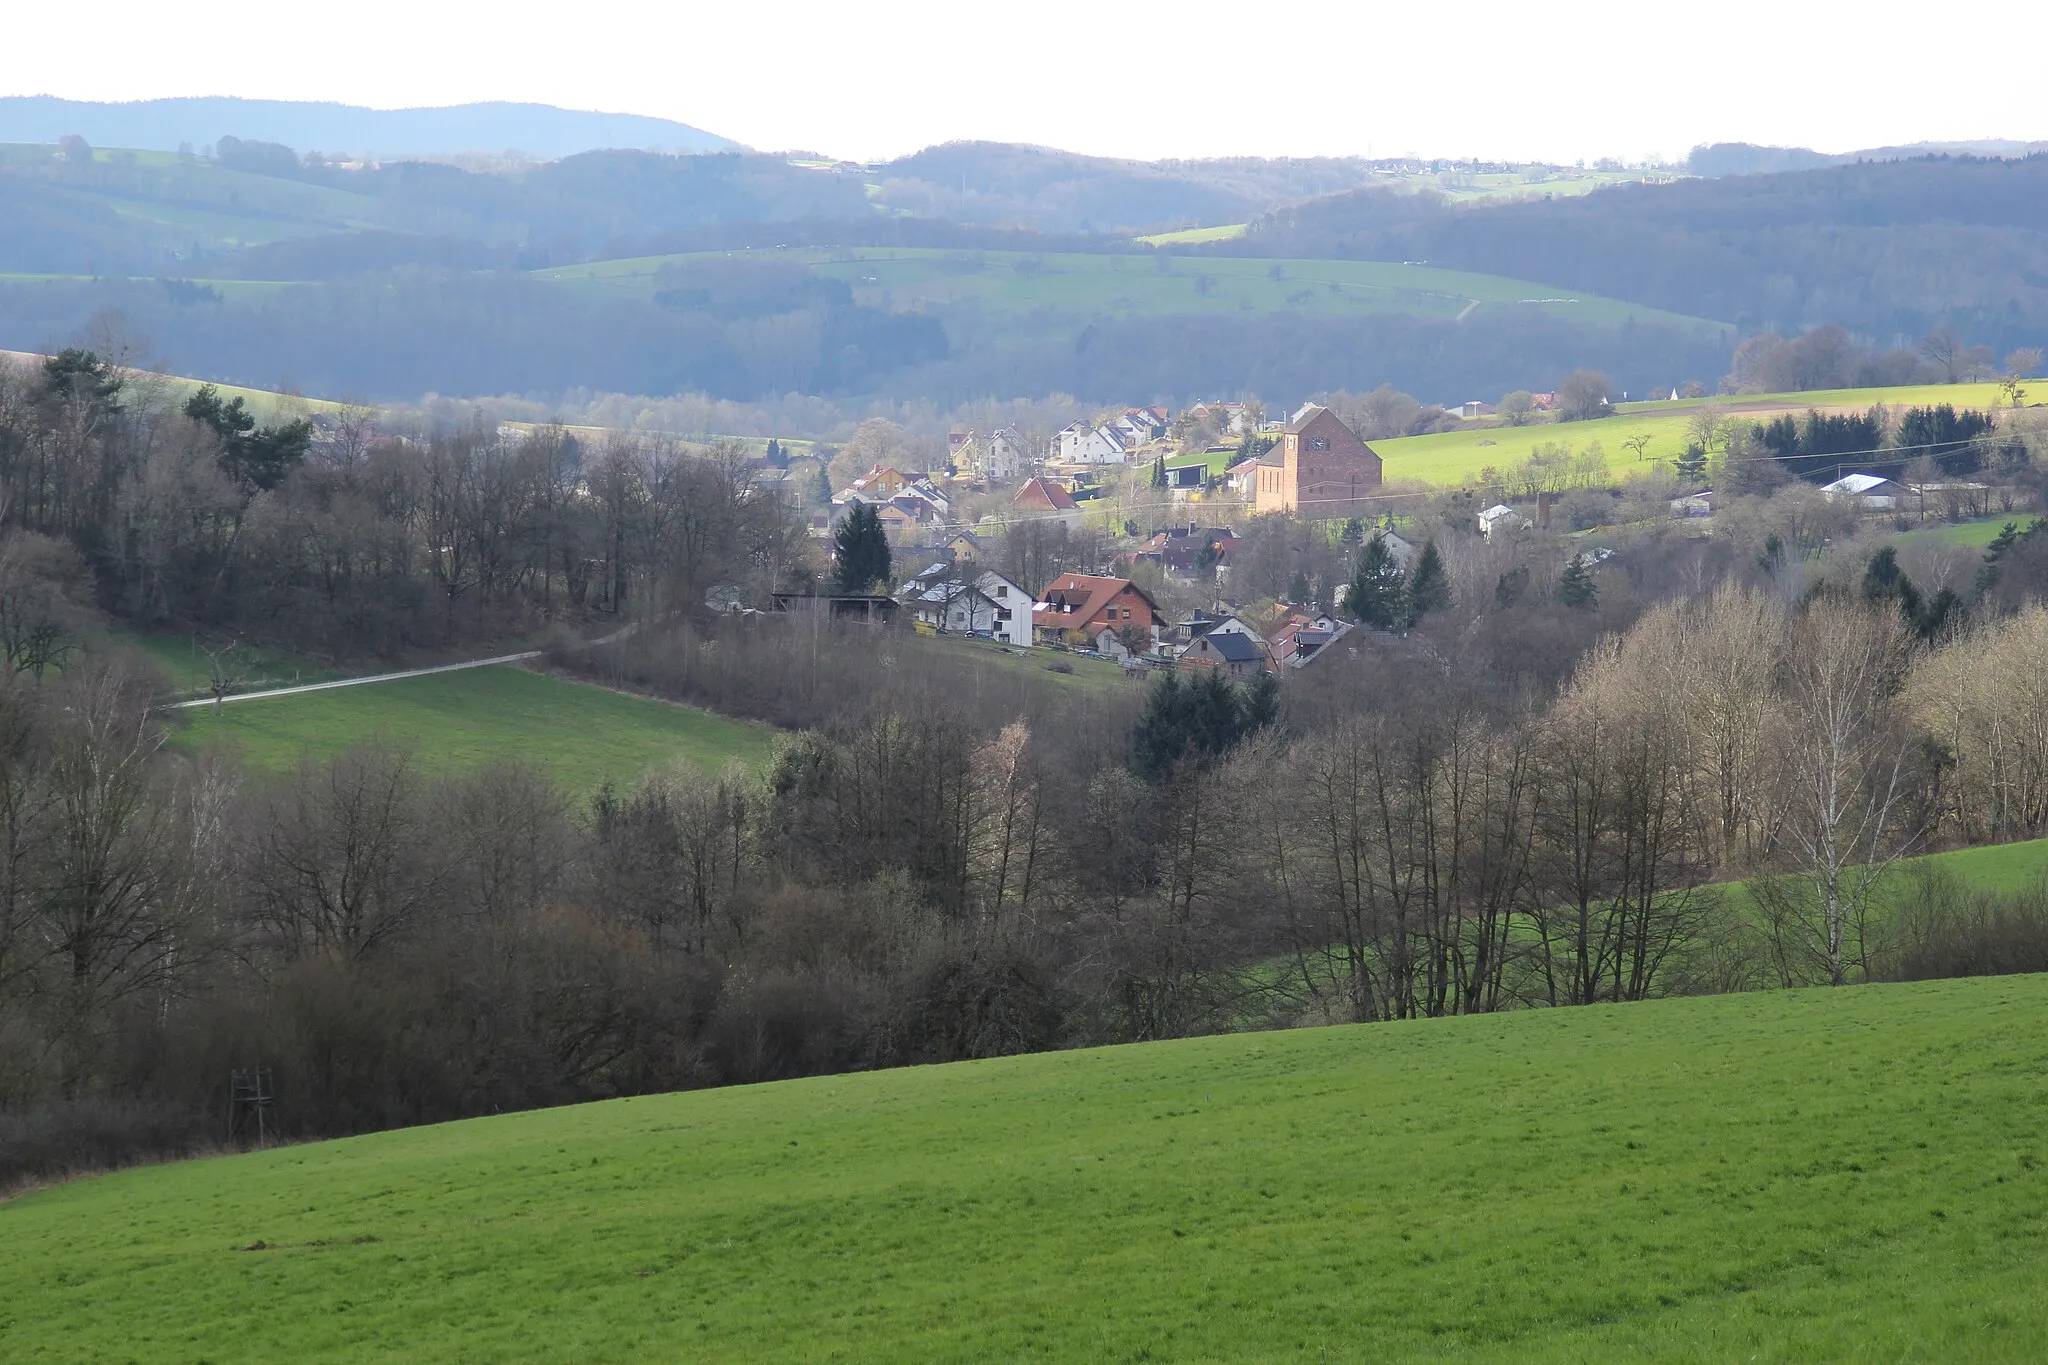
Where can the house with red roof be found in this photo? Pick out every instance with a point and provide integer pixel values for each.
(1093, 611)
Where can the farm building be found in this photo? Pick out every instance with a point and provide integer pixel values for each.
(1870, 492)
(1319, 469)
(1043, 498)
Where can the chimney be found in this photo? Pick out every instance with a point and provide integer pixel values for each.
(1543, 511)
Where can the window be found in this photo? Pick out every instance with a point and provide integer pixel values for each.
(1002, 591)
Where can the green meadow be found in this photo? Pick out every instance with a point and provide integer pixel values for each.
(583, 735)
(1453, 457)
(1016, 285)
(1856, 1174)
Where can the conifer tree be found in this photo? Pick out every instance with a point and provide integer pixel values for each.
(1377, 596)
(1576, 588)
(1429, 589)
(861, 549)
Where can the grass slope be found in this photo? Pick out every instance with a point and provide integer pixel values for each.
(1855, 1174)
(1015, 285)
(581, 734)
(1452, 457)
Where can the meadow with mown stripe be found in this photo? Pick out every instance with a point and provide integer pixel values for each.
(580, 735)
(1841, 1174)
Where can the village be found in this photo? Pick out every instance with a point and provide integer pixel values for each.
(1157, 505)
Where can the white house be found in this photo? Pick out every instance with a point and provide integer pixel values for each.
(968, 601)
(1500, 516)
(1082, 443)
(995, 458)
(1867, 491)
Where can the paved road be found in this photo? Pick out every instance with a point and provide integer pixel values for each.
(358, 682)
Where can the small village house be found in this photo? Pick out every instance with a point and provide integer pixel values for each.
(965, 600)
(1097, 612)
(1238, 656)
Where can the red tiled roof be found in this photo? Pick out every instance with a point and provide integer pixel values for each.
(1087, 594)
(1044, 493)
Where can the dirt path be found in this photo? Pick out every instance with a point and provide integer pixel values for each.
(357, 682)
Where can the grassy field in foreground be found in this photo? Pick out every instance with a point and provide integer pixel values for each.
(1016, 285)
(581, 734)
(1451, 457)
(1857, 1174)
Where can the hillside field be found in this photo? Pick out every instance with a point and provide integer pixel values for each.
(1015, 285)
(582, 735)
(1453, 457)
(1856, 1174)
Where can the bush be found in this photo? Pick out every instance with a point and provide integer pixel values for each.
(1948, 930)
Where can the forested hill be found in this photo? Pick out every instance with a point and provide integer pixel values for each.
(540, 130)
(1887, 249)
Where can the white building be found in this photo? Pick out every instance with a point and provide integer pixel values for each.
(969, 601)
(1867, 491)
(1083, 443)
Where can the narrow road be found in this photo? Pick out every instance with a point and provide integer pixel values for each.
(358, 682)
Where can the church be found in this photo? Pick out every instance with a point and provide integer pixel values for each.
(1320, 469)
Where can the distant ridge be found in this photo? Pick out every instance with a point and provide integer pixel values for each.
(161, 125)
(1747, 158)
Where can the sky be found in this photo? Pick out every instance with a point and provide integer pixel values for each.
(868, 81)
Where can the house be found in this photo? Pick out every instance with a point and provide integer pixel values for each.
(1304, 639)
(1085, 443)
(969, 602)
(1086, 609)
(1042, 497)
(1500, 516)
(1225, 419)
(879, 484)
(1700, 504)
(997, 457)
(1543, 402)
(1868, 491)
(1238, 655)
(1242, 477)
(1319, 469)
(967, 547)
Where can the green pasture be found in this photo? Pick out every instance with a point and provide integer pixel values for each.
(1856, 1174)
(1453, 457)
(583, 735)
(1018, 284)
(184, 659)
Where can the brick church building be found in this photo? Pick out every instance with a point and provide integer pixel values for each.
(1320, 469)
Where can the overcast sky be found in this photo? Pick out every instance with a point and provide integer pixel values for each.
(1190, 78)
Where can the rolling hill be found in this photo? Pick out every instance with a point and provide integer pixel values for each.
(1018, 285)
(1846, 1174)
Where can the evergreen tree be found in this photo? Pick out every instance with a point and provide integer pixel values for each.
(1430, 588)
(824, 488)
(1354, 532)
(1159, 471)
(861, 549)
(1377, 597)
(1691, 467)
(1576, 588)
(1297, 587)
(775, 454)
(1199, 718)
(249, 454)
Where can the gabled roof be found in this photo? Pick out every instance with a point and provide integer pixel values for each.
(1044, 493)
(1234, 646)
(1855, 483)
(1079, 597)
